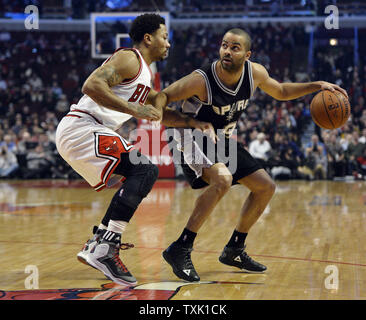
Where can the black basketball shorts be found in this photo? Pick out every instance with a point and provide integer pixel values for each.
(200, 152)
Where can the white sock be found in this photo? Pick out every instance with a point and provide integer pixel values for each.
(117, 226)
(102, 227)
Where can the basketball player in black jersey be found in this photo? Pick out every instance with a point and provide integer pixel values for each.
(218, 93)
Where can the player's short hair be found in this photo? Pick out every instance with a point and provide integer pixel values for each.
(244, 34)
(145, 23)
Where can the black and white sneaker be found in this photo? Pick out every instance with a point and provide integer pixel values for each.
(89, 245)
(237, 257)
(105, 257)
(179, 259)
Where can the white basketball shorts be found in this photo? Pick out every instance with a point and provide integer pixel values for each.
(91, 149)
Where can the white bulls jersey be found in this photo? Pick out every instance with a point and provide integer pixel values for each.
(86, 137)
(132, 90)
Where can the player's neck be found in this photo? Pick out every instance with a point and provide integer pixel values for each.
(145, 54)
(229, 79)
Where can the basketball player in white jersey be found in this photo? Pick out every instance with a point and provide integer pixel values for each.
(86, 138)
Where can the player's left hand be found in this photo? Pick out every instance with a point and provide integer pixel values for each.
(332, 87)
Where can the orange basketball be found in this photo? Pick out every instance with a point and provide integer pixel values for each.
(330, 110)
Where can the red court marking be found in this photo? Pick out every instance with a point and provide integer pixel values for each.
(76, 184)
(109, 291)
(51, 184)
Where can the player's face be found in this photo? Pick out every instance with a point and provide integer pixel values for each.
(161, 43)
(232, 52)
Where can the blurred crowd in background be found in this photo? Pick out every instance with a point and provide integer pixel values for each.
(41, 75)
(80, 9)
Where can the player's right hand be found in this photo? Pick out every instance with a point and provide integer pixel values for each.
(332, 87)
(148, 112)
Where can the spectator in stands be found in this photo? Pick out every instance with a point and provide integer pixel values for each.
(51, 132)
(362, 120)
(62, 105)
(345, 141)
(56, 89)
(3, 84)
(48, 146)
(35, 82)
(358, 107)
(354, 150)
(50, 117)
(295, 144)
(18, 126)
(8, 162)
(260, 148)
(361, 161)
(362, 139)
(287, 161)
(9, 141)
(290, 121)
(315, 159)
(336, 157)
(314, 143)
(39, 164)
(262, 58)
(26, 144)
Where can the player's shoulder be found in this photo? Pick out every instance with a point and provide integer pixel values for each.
(127, 56)
(127, 60)
(193, 78)
(197, 78)
(205, 68)
(257, 67)
(204, 72)
(258, 70)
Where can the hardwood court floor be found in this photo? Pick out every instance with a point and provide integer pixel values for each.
(312, 238)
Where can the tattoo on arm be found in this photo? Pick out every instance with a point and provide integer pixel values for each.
(109, 74)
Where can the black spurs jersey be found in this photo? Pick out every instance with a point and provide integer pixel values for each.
(223, 106)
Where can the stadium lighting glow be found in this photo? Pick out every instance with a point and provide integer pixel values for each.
(333, 42)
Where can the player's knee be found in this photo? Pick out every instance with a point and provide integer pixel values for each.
(138, 185)
(149, 179)
(268, 186)
(222, 183)
(271, 187)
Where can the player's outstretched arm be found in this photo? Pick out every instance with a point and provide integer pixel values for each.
(122, 65)
(158, 100)
(170, 117)
(184, 88)
(187, 87)
(288, 91)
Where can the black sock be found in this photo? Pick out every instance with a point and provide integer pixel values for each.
(237, 239)
(186, 238)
